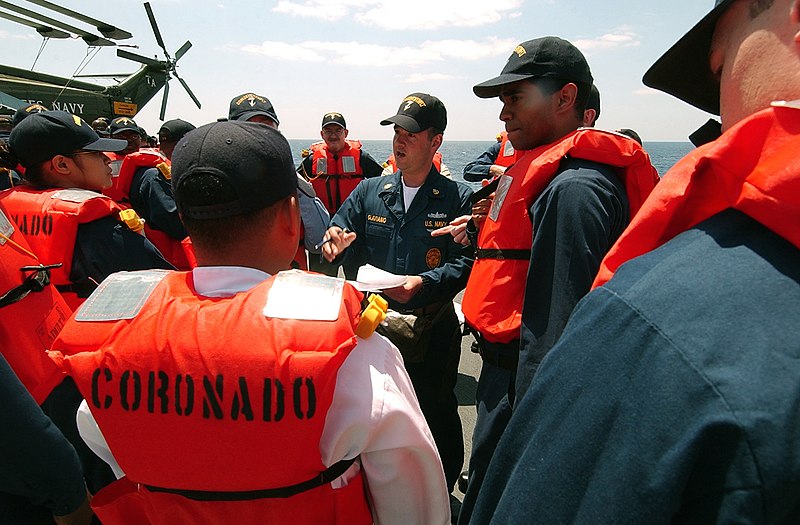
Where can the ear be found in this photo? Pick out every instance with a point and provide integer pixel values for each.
(321, 135)
(346, 132)
(60, 165)
(437, 141)
(588, 118)
(566, 96)
(794, 17)
(292, 211)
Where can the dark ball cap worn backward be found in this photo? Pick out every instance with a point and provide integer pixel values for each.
(244, 107)
(684, 72)
(254, 159)
(25, 111)
(44, 135)
(418, 112)
(174, 130)
(333, 118)
(120, 124)
(546, 57)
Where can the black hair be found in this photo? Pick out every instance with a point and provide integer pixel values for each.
(550, 85)
(207, 189)
(630, 133)
(9, 161)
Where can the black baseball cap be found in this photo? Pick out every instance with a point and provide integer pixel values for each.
(684, 72)
(547, 57)
(174, 130)
(418, 112)
(244, 107)
(333, 118)
(120, 124)
(26, 110)
(254, 159)
(42, 136)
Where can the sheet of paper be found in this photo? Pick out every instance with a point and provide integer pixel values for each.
(370, 278)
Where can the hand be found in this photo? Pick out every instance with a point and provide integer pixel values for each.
(495, 171)
(457, 228)
(481, 209)
(403, 294)
(335, 241)
(80, 516)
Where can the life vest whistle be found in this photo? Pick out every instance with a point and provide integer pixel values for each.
(372, 316)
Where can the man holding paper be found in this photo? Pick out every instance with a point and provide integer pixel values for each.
(387, 222)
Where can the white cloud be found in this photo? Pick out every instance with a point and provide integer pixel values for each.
(406, 15)
(419, 78)
(376, 55)
(622, 37)
(5, 35)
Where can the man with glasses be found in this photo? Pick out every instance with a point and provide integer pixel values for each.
(335, 166)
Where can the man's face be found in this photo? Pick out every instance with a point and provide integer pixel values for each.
(334, 135)
(133, 138)
(740, 47)
(414, 151)
(528, 114)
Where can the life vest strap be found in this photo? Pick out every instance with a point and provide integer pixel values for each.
(333, 472)
(35, 282)
(497, 253)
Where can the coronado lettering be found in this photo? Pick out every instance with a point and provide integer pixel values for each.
(210, 397)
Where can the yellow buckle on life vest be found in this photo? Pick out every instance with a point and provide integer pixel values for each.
(165, 169)
(372, 316)
(132, 220)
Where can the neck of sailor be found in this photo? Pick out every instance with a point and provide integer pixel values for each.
(278, 227)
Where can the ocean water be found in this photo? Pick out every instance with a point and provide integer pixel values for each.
(456, 154)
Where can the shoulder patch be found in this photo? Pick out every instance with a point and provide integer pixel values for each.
(120, 296)
(77, 195)
(304, 296)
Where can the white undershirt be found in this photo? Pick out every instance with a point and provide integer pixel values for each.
(408, 194)
(385, 427)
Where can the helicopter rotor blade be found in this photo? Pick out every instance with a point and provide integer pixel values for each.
(182, 51)
(164, 101)
(89, 38)
(189, 91)
(139, 58)
(154, 25)
(42, 29)
(107, 30)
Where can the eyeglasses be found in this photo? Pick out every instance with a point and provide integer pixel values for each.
(78, 153)
(337, 131)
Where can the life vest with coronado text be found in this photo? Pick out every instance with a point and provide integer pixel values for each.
(334, 177)
(32, 312)
(49, 220)
(493, 298)
(752, 167)
(210, 406)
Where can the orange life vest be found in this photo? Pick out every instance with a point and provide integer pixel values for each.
(32, 312)
(437, 162)
(120, 191)
(493, 298)
(753, 167)
(49, 220)
(507, 154)
(210, 398)
(334, 179)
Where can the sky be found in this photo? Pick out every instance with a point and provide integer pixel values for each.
(362, 57)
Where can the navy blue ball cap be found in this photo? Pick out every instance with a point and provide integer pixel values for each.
(253, 159)
(418, 112)
(120, 124)
(333, 118)
(244, 107)
(26, 111)
(684, 71)
(546, 57)
(42, 136)
(174, 130)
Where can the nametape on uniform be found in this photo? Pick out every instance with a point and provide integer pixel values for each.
(77, 195)
(120, 296)
(6, 227)
(304, 296)
(500, 196)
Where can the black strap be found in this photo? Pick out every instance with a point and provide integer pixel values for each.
(35, 282)
(496, 253)
(333, 472)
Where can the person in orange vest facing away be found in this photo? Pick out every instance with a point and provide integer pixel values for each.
(671, 396)
(335, 166)
(240, 392)
(250, 107)
(555, 214)
(59, 210)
